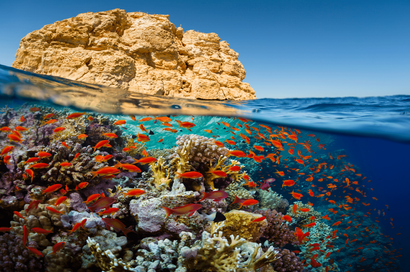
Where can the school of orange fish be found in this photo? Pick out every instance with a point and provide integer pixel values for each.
(299, 174)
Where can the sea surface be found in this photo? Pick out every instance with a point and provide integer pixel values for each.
(348, 158)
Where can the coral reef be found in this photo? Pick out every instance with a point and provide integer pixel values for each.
(15, 257)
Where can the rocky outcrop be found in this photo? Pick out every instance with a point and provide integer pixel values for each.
(136, 51)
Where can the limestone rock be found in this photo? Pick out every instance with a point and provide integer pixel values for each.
(140, 52)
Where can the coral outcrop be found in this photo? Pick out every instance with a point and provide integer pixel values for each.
(140, 52)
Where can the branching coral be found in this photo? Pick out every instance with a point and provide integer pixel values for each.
(161, 174)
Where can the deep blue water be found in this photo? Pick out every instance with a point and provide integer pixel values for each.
(373, 132)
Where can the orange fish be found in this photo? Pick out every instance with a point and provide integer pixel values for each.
(191, 175)
(215, 195)
(75, 227)
(237, 153)
(60, 200)
(235, 168)
(106, 171)
(110, 135)
(52, 188)
(41, 231)
(14, 138)
(248, 202)
(287, 218)
(134, 192)
(4, 229)
(42, 154)
(146, 160)
(40, 165)
(145, 119)
(58, 129)
(19, 128)
(52, 121)
(218, 143)
(19, 215)
(75, 115)
(120, 122)
(143, 138)
(109, 211)
(34, 109)
(133, 117)
(230, 142)
(22, 119)
(129, 167)
(82, 136)
(6, 150)
(48, 116)
(101, 144)
(5, 129)
(65, 145)
(296, 195)
(337, 223)
(65, 164)
(35, 251)
(250, 184)
(218, 173)
(259, 219)
(288, 182)
(82, 185)
(92, 198)
(164, 119)
(187, 125)
(57, 247)
(189, 209)
(90, 118)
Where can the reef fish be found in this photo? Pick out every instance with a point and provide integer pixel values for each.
(192, 175)
(189, 209)
(57, 247)
(215, 195)
(146, 160)
(75, 115)
(52, 188)
(102, 203)
(134, 192)
(116, 225)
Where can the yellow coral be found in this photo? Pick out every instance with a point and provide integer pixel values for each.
(181, 162)
(160, 174)
(240, 223)
(220, 165)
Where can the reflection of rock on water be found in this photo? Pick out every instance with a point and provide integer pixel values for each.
(136, 51)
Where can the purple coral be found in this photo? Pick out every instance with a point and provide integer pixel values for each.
(277, 231)
(287, 261)
(15, 257)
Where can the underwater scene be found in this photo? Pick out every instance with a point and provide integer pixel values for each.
(93, 180)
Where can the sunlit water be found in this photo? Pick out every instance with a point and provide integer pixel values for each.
(348, 157)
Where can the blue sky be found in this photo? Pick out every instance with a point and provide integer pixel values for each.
(288, 48)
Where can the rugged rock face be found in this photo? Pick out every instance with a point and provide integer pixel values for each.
(136, 51)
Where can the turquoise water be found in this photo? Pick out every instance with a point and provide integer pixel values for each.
(346, 157)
